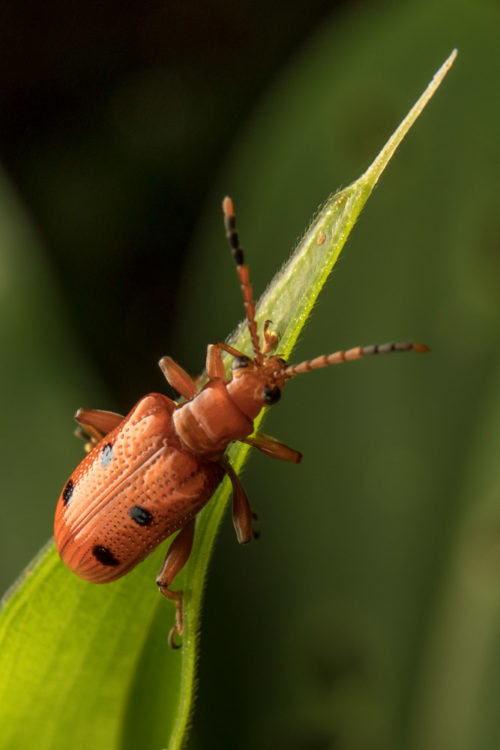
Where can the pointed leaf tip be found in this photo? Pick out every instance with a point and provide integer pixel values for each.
(372, 174)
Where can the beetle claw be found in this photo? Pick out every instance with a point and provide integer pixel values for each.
(171, 638)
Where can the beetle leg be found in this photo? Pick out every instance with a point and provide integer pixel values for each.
(229, 349)
(175, 560)
(242, 512)
(214, 365)
(98, 420)
(178, 378)
(95, 423)
(270, 338)
(272, 447)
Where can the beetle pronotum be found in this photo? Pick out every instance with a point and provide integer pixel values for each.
(148, 474)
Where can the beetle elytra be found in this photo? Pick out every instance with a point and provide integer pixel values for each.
(148, 474)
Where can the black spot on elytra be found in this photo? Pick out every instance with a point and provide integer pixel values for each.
(104, 555)
(140, 515)
(68, 491)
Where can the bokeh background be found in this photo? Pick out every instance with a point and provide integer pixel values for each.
(368, 613)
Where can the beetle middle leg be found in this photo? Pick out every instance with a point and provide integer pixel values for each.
(274, 448)
(177, 556)
(243, 516)
(95, 424)
(178, 378)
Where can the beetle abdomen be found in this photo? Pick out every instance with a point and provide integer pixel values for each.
(134, 489)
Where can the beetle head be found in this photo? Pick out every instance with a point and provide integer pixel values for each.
(254, 384)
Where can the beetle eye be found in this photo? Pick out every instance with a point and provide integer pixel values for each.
(239, 362)
(270, 395)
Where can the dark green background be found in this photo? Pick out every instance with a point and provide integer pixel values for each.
(367, 615)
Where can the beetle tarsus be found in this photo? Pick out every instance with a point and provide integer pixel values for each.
(171, 639)
(178, 628)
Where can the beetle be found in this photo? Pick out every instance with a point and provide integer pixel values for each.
(148, 474)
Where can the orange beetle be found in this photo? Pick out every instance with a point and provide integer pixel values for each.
(148, 474)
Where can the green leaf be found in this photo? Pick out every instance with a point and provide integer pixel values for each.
(89, 665)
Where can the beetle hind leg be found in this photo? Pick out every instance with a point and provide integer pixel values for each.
(177, 556)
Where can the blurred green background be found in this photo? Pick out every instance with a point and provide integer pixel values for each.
(368, 614)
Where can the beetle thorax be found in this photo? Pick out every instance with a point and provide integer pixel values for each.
(224, 410)
(209, 421)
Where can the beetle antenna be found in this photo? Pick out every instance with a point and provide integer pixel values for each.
(243, 275)
(350, 354)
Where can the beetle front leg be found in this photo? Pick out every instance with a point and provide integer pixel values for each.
(214, 363)
(176, 558)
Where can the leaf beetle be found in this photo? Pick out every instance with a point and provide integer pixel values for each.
(148, 474)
